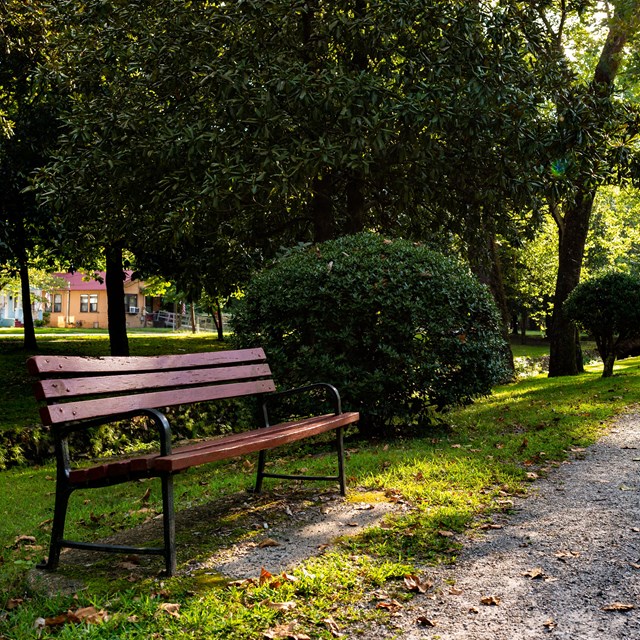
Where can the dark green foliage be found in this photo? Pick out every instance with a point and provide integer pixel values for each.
(397, 327)
(608, 307)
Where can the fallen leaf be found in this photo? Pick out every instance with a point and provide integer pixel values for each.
(285, 631)
(446, 534)
(456, 446)
(268, 542)
(550, 624)
(532, 476)
(474, 610)
(426, 622)
(535, 573)
(265, 576)
(364, 507)
(247, 582)
(13, 603)
(618, 606)
(279, 606)
(56, 621)
(490, 601)
(455, 591)
(90, 615)
(389, 605)
(332, 626)
(247, 465)
(567, 555)
(21, 540)
(414, 583)
(490, 525)
(172, 608)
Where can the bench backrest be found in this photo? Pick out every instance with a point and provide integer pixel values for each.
(80, 388)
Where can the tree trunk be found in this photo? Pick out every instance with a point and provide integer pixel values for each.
(192, 316)
(30, 343)
(355, 204)
(321, 209)
(216, 314)
(563, 356)
(116, 317)
(485, 264)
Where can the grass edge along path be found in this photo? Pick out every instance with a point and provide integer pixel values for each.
(454, 480)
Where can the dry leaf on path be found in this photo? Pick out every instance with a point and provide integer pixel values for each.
(490, 600)
(455, 591)
(426, 622)
(415, 583)
(268, 542)
(390, 605)
(618, 606)
(446, 534)
(535, 573)
(550, 624)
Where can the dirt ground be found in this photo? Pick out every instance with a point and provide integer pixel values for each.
(564, 565)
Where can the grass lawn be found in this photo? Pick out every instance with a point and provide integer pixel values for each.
(455, 477)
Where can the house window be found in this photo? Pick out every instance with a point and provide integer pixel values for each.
(57, 303)
(131, 302)
(88, 303)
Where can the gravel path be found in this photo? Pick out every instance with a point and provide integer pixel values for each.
(571, 551)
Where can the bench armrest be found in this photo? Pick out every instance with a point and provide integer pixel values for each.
(157, 418)
(331, 392)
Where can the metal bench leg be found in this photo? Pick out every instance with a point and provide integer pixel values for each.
(262, 458)
(169, 524)
(342, 478)
(57, 529)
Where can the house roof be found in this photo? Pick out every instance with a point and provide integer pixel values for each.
(94, 281)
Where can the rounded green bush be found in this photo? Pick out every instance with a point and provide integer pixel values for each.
(397, 327)
(608, 307)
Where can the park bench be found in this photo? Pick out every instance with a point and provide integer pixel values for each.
(83, 392)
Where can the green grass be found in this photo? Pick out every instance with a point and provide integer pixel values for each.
(455, 477)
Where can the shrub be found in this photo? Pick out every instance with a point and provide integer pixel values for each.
(397, 327)
(608, 307)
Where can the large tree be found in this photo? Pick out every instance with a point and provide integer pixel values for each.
(28, 116)
(593, 137)
(258, 124)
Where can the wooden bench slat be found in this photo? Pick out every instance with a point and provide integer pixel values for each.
(72, 387)
(100, 407)
(259, 440)
(224, 447)
(39, 365)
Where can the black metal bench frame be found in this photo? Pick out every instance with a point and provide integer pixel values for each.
(66, 384)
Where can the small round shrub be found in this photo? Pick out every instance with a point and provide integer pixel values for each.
(397, 327)
(608, 307)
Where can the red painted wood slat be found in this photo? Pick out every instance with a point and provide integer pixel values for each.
(259, 440)
(71, 387)
(100, 407)
(38, 365)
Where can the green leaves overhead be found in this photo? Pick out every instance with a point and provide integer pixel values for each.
(291, 120)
